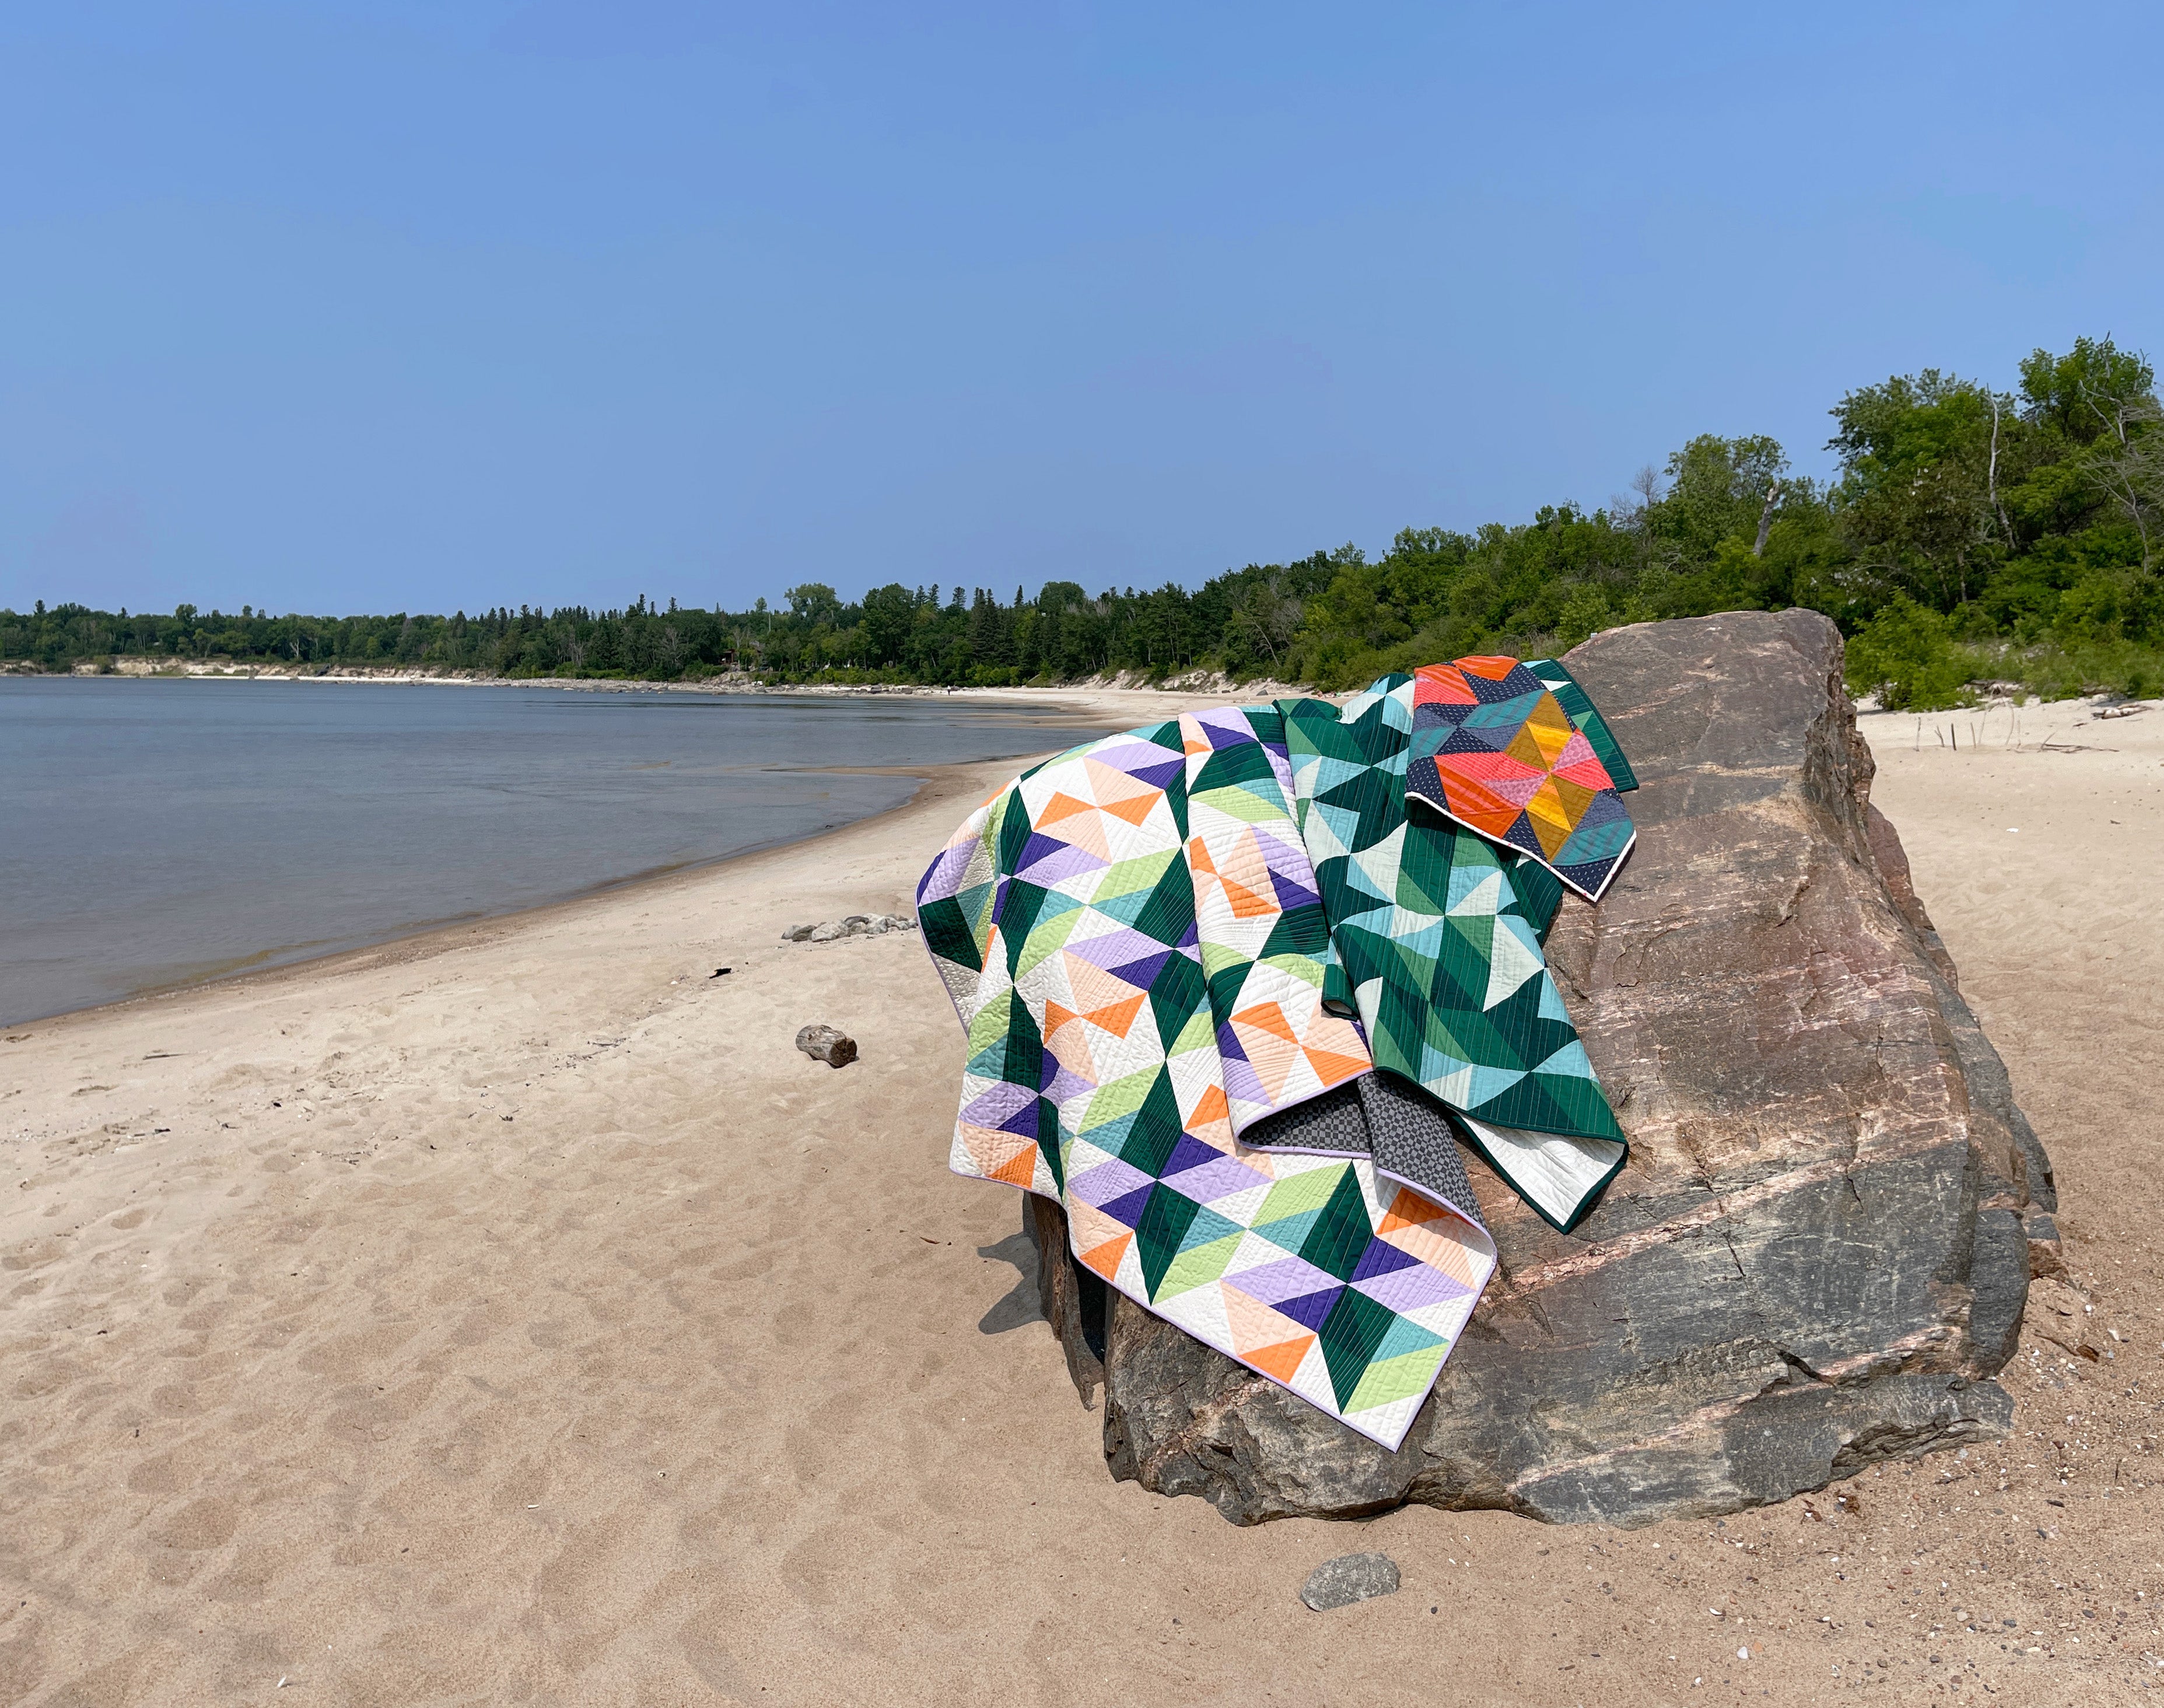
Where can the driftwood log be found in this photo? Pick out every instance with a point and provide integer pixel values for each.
(1820, 1253)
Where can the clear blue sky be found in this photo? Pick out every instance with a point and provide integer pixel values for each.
(410, 306)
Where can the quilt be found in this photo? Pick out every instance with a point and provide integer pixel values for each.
(1494, 749)
(1168, 939)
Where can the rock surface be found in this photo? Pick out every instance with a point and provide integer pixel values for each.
(828, 1044)
(1820, 1250)
(1350, 1578)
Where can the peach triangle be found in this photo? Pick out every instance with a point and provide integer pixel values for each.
(1087, 833)
(1105, 1258)
(1109, 785)
(1280, 1361)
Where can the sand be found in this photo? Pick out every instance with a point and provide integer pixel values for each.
(513, 1315)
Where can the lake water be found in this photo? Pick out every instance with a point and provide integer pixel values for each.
(164, 831)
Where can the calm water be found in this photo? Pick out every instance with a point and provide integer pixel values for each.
(158, 833)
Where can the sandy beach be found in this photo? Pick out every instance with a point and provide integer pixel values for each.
(512, 1315)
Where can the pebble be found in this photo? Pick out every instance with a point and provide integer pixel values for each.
(827, 1043)
(1350, 1578)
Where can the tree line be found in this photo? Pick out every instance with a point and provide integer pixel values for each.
(1968, 535)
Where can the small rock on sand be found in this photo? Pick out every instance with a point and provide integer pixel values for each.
(855, 925)
(1349, 1577)
(828, 1044)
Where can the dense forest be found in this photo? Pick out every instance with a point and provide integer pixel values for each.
(1967, 536)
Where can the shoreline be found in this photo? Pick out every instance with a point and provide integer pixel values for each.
(403, 947)
(1088, 709)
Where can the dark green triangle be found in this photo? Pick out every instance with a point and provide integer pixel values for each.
(1352, 1331)
(1156, 1128)
(1340, 1233)
(1165, 1221)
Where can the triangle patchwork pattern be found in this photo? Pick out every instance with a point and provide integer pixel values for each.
(1137, 936)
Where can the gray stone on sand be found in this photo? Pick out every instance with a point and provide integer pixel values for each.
(1821, 1251)
(828, 1044)
(1350, 1578)
(855, 925)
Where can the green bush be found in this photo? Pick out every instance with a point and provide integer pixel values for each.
(1905, 656)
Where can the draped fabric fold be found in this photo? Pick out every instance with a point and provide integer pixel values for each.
(1182, 953)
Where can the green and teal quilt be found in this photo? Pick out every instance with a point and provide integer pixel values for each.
(1163, 938)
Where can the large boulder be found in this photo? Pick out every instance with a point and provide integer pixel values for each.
(1820, 1253)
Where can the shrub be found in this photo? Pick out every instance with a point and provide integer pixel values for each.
(1906, 658)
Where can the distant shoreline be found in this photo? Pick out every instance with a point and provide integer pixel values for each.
(1189, 687)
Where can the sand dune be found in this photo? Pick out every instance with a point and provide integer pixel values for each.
(513, 1315)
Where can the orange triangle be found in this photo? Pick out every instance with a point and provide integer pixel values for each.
(1446, 686)
(1211, 1108)
(1135, 809)
(1055, 1016)
(1266, 1017)
(1198, 857)
(1333, 1068)
(1105, 1258)
(1061, 806)
(1278, 1361)
(1408, 1211)
(1019, 1169)
(1246, 904)
(1488, 666)
(1116, 1017)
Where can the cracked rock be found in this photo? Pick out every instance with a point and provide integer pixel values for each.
(1821, 1251)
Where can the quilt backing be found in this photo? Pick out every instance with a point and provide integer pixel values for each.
(1162, 938)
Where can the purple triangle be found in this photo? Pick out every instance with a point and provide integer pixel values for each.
(1191, 1152)
(1310, 1311)
(1141, 974)
(1128, 1211)
(1292, 894)
(1380, 1259)
(1158, 775)
(1063, 1083)
(1023, 1123)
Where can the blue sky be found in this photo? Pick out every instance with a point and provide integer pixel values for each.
(417, 307)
